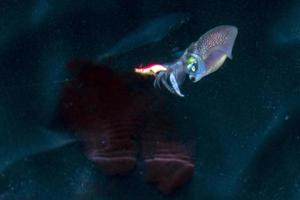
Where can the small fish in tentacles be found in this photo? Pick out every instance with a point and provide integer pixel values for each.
(200, 59)
(151, 69)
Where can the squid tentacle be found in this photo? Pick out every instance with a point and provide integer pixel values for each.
(167, 86)
(169, 81)
(158, 79)
(175, 85)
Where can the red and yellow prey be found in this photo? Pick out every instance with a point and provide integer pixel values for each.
(150, 70)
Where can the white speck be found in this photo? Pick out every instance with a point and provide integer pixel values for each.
(286, 117)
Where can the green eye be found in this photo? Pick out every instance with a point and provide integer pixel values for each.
(192, 64)
(191, 60)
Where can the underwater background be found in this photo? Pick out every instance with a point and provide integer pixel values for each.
(243, 121)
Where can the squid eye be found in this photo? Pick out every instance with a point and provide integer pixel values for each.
(192, 67)
(192, 64)
(191, 60)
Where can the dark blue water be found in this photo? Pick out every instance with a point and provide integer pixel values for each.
(242, 122)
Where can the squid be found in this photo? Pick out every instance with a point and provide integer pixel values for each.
(200, 59)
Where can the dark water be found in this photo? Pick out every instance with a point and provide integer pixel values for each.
(242, 122)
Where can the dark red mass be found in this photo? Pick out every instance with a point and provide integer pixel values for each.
(114, 115)
(168, 166)
(167, 161)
